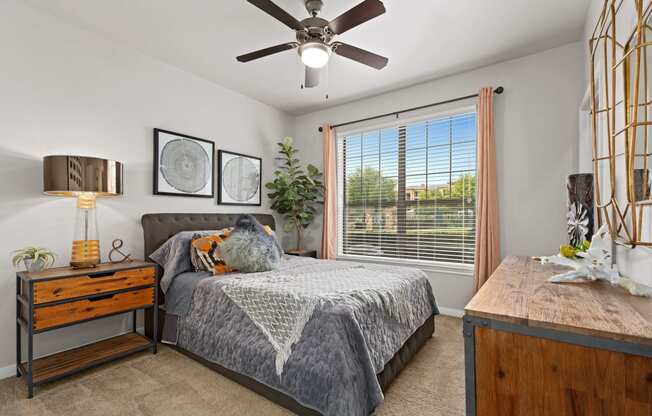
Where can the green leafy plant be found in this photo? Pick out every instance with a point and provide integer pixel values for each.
(31, 255)
(295, 193)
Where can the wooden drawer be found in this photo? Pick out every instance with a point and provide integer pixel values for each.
(66, 313)
(80, 286)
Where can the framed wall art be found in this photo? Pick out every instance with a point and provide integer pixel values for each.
(183, 165)
(240, 179)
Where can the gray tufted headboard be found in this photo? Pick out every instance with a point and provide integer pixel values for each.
(157, 228)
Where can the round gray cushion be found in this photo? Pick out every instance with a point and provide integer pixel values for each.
(249, 248)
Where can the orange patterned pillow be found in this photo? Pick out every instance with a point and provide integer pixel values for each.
(205, 253)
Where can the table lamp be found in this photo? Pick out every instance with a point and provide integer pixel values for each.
(84, 178)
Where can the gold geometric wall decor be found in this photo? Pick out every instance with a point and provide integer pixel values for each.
(621, 119)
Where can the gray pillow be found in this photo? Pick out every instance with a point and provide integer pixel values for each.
(249, 248)
(174, 256)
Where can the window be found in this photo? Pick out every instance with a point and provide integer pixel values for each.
(408, 191)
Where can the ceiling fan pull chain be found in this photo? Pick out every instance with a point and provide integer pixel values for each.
(302, 74)
(328, 71)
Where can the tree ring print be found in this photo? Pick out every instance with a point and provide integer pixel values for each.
(240, 179)
(185, 165)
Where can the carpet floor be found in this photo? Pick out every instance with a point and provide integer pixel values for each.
(170, 383)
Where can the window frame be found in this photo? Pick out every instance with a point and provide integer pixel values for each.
(458, 269)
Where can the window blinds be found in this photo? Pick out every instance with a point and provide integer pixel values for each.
(408, 191)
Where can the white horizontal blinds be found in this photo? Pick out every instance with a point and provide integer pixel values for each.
(409, 191)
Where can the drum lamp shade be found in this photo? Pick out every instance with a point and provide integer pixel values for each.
(75, 175)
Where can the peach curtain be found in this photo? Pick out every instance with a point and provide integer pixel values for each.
(329, 230)
(487, 242)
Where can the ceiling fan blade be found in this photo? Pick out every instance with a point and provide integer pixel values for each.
(266, 52)
(276, 12)
(360, 55)
(312, 77)
(361, 13)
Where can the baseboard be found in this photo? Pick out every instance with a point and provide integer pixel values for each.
(8, 371)
(456, 313)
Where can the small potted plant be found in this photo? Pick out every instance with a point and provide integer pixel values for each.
(35, 259)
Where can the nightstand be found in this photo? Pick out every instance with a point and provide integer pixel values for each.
(303, 253)
(61, 297)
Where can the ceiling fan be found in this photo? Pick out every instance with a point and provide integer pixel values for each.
(314, 36)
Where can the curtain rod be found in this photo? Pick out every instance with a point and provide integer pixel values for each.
(498, 90)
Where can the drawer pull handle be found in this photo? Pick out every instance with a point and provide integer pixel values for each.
(103, 274)
(103, 297)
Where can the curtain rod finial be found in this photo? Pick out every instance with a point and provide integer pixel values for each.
(499, 90)
(321, 129)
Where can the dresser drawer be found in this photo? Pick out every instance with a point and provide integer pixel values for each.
(66, 313)
(80, 286)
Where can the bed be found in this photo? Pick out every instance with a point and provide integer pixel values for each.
(343, 356)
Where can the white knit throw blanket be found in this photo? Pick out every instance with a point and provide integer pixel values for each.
(281, 302)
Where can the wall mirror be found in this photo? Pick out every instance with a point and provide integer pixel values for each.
(621, 119)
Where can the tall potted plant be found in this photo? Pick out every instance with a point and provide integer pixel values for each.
(295, 193)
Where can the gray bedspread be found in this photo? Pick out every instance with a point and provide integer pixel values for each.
(349, 335)
(177, 302)
(179, 296)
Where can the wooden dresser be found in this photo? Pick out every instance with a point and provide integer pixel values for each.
(60, 297)
(538, 348)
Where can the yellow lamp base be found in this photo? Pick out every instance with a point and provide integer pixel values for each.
(85, 253)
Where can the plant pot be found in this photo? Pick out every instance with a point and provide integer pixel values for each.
(34, 266)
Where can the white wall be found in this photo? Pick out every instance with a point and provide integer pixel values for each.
(536, 132)
(64, 90)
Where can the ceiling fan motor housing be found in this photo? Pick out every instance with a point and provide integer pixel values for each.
(316, 30)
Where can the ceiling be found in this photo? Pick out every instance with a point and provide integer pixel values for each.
(423, 39)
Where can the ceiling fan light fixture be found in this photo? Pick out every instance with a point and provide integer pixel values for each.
(315, 54)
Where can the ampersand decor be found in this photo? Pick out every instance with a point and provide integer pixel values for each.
(117, 245)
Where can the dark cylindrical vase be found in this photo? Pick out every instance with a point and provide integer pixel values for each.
(581, 207)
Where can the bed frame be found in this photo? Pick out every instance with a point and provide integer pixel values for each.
(158, 228)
